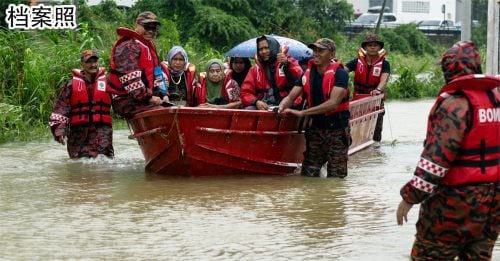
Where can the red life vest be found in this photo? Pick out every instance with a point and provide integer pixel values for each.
(227, 86)
(195, 96)
(367, 76)
(95, 110)
(283, 85)
(478, 160)
(327, 86)
(148, 60)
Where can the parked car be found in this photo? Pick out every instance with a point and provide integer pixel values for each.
(371, 19)
(436, 25)
(475, 23)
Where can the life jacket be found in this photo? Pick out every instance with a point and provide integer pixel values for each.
(478, 160)
(227, 86)
(327, 86)
(367, 76)
(283, 84)
(124, 83)
(195, 95)
(83, 110)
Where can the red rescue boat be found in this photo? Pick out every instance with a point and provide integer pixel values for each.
(205, 141)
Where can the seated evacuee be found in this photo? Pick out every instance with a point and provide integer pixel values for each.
(238, 69)
(82, 113)
(221, 91)
(181, 79)
(271, 78)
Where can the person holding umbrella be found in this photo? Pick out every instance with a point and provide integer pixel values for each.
(325, 84)
(271, 78)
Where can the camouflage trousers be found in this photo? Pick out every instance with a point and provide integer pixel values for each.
(90, 141)
(460, 221)
(326, 145)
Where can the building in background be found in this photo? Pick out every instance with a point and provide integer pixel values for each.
(414, 10)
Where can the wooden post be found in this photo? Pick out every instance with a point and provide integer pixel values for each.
(465, 31)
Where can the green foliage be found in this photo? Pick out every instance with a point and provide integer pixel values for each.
(220, 29)
(407, 39)
(413, 83)
(395, 42)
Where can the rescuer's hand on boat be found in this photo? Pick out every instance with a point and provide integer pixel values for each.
(294, 112)
(155, 100)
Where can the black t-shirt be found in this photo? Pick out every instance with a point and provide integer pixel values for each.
(351, 66)
(334, 121)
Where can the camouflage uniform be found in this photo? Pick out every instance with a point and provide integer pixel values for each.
(326, 145)
(87, 140)
(127, 105)
(454, 221)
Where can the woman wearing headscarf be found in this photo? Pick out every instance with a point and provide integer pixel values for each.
(221, 91)
(238, 68)
(180, 77)
(271, 78)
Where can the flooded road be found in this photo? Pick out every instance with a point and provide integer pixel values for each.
(55, 208)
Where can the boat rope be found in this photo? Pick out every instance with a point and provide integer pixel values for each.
(174, 123)
(393, 141)
(129, 128)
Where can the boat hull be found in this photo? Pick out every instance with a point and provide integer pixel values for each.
(206, 141)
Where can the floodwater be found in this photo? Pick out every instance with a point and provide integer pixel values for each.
(55, 208)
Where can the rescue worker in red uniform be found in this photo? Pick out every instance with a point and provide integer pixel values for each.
(457, 178)
(220, 89)
(371, 73)
(271, 78)
(133, 65)
(81, 116)
(183, 89)
(325, 84)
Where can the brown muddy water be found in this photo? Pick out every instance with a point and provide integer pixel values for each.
(54, 208)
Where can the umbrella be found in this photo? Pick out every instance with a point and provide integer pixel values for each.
(248, 48)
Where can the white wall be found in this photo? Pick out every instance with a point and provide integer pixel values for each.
(433, 12)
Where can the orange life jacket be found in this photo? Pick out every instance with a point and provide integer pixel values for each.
(327, 86)
(367, 76)
(95, 110)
